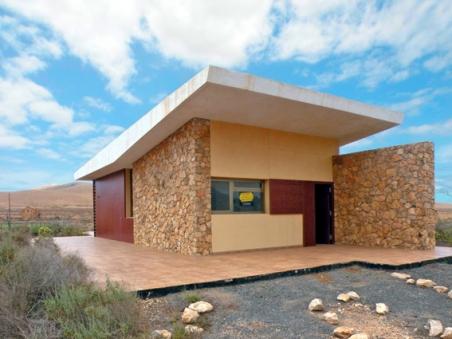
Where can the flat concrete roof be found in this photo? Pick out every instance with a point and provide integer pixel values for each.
(219, 94)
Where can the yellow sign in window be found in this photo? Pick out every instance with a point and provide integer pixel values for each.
(246, 197)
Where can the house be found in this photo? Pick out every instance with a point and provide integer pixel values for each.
(230, 162)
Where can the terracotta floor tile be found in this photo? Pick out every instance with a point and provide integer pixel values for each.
(142, 268)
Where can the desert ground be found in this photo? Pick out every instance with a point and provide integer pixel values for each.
(67, 204)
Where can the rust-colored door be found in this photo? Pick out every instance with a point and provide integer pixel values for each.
(109, 209)
(296, 197)
(308, 213)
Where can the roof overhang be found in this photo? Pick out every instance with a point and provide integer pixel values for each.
(222, 95)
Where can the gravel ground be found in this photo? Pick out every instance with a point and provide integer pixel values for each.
(278, 308)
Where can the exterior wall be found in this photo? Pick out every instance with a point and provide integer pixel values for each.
(109, 208)
(385, 197)
(235, 231)
(239, 151)
(172, 192)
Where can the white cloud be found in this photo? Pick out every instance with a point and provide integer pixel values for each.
(419, 98)
(22, 100)
(112, 129)
(95, 144)
(12, 140)
(444, 154)
(97, 103)
(404, 31)
(440, 128)
(23, 64)
(198, 33)
(358, 145)
(48, 153)
(194, 32)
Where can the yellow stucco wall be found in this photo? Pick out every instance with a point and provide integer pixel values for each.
(239, 151)
(235, 232)
(245, 152)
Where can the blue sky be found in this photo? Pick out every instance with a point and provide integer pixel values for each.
(74, 74)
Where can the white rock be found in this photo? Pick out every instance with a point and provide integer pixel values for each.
(201, 307)
(440, 289)
(425, 283)
(192, 329)
(435, 328)
(316, 305)
(353, 295)
(343, 297)
(410, 281)
(450, 294)
(189, 316)
(331, 318)
(163, 334)
(343, 332)
(360, 336)
(381, 308)
(447, 334)
(402, 276)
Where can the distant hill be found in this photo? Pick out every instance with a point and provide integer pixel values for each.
(72, 195)
(444, 210)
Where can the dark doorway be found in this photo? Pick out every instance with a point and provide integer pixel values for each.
(324, 233)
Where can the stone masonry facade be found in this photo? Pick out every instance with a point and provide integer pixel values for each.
(385, 197)
(172, 192)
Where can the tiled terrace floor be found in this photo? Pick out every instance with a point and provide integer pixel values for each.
(141, 268)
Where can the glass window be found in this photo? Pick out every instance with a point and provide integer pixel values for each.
(247, 201)
(237, 196)
(220, 195)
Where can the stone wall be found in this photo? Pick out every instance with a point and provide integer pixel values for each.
(385, 197)
(171, 193)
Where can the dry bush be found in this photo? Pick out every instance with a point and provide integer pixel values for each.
(32, 275)
(87, 311)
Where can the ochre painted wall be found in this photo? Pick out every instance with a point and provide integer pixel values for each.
(239, 151)
(235, 232)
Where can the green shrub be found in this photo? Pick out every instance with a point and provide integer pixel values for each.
(179, 332)
(444, 236)
(70, 231)
(56, 230)
(88, 311)
(191, 298)
(45, 231)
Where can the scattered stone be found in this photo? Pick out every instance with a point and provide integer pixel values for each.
(447, 334)
(192, 329)
(353, 295)
(343, 332)
(30, 213)
(316, 305)
(450, 294)
(410, 281)
(189, 316)
(201, 307)
(440, 289)
(165, 334)
(425, 283)
(381, 308)
(360, 336)
(343, 297)
(331, 318)
(402, 276)
(435, 328)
